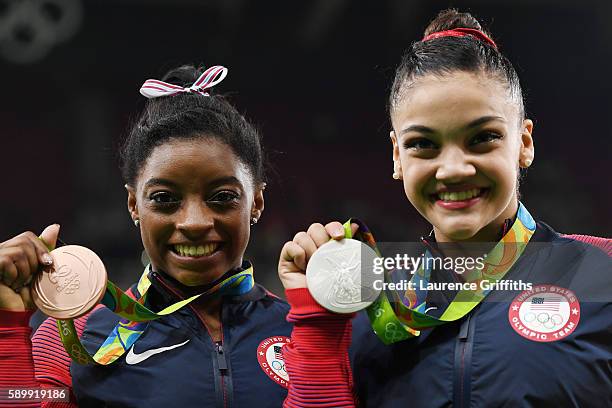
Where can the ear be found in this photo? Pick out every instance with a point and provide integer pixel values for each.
(257, 206)
(132, 202)
(527, 151)
(397, 164)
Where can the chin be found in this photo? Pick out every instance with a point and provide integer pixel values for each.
(191, 278)
(459, 231)
(461, 234)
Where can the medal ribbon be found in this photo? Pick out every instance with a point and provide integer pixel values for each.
(404, 319)
(135, 316)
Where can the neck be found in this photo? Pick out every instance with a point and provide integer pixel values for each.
(208, 306)
(209, 312)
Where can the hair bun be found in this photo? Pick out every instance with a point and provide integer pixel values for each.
(451, 18)
(184, 75)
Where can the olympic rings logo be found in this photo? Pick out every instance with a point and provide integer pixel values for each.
(29, 29)
(544, 319)
(78, 353)
(392, 332)
(278, 366)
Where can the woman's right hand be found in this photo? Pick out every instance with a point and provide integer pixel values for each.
(21, 258)
(296, 253)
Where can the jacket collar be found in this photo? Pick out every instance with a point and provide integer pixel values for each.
(166, 290)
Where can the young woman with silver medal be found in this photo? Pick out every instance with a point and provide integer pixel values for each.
(459, 138)
(192, 331)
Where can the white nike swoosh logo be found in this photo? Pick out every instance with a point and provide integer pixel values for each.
(133, 358)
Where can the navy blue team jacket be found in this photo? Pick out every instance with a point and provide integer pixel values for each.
(198, 373)
(484, 361)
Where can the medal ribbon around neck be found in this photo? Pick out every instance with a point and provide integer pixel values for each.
(404, 319)
(136, 316)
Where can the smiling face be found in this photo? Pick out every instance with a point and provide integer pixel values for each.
(195, 199)
(458, 142)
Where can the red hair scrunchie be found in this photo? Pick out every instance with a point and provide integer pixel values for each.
(462, 32)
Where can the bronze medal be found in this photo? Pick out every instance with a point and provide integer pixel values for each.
(74, 285)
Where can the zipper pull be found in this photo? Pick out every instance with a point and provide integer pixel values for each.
(221, 357)
(464, 331)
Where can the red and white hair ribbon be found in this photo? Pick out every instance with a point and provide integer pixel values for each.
(152, 88)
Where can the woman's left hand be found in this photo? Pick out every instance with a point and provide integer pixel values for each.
(296, 253)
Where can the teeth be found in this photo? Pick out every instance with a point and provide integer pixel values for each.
(459, 195)
(195, 251)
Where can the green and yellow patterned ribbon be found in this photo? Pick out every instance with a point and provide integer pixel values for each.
(397, 322)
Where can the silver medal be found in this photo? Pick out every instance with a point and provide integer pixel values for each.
(340, 276)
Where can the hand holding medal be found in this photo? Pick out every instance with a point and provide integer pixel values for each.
(336, 269)
(65, 283)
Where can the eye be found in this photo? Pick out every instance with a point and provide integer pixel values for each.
(224, 197)
(163, 198)
(485, 137)
(420, 143)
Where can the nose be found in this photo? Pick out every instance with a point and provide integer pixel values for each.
(455, 166)
(195, 218)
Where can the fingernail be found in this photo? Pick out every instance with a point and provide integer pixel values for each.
(339, 231)
(47, 260)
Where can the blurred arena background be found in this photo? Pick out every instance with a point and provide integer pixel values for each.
(314, 75)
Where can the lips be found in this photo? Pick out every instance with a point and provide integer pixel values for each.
(194, 261)
(195, 251)
(459, 195)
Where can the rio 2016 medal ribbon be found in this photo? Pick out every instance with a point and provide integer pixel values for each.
(340, 276)
(404, 316)
(77, 282)
(73, 286)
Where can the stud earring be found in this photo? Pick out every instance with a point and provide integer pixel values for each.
(395, 175)
(137, 222)
(528, 162)
(254, 220)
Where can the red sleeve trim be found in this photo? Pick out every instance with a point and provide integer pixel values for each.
(317, 358)
(605, 244)
(40, 362)
(16, 368)
(51, 361)
(304, 306)
(10, 318)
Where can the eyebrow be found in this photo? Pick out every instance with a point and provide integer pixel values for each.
(472, 124)
(225, 180)
(159, 181)
(217, 182)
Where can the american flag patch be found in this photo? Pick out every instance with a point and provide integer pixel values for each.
(546, 303)
(278, 352)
